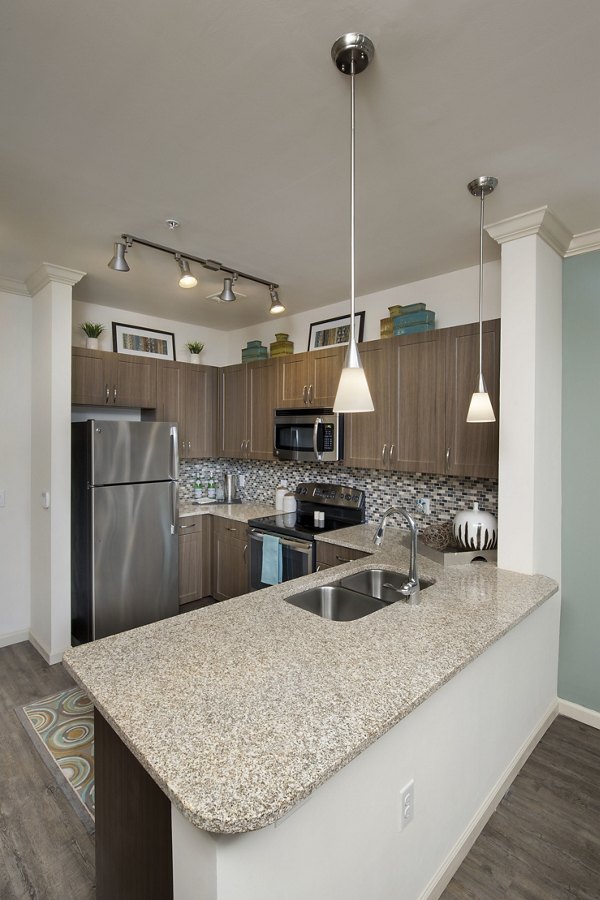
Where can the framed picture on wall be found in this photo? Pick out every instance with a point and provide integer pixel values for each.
(332, 332)
(143, 341)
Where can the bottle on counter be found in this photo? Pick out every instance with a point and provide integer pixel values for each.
(198, 490)
(212, 490)
(280, 493)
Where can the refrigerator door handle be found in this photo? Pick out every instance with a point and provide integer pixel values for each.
(174, 458)
(173, 492)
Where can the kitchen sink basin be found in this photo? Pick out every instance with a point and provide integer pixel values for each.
(337, 603)
(373, 582)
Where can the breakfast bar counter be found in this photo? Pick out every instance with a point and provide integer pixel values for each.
(241, 710)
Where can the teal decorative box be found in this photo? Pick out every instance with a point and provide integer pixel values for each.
(254, 350)
(423, 316)
(414, 329)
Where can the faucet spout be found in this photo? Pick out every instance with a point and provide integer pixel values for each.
(410, 589)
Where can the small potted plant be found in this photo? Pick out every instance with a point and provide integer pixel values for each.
(195, 348)
(92, 331)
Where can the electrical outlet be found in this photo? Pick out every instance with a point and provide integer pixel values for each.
(424, 505)
(407, 804)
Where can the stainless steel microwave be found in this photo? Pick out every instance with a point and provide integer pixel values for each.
(308, 435)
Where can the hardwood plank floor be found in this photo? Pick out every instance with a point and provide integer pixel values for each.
(543, 841)
(45, 851)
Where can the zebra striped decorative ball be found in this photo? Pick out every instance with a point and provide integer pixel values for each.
(475, 529)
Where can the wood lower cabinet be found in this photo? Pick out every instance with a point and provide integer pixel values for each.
(310, 379)
(329, 555)
(195, 558)
(247, 400)
(187, 394)
(230, 559)
(101, 378)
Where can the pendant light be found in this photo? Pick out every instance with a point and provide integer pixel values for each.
(352, 53)
(480, 408)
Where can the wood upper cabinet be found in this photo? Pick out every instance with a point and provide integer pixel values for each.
(310, 379)
(421, 387)
(247, 400)
(471, 448)
(406, 430)
(101, 378)
(230, 563)
(195, 558)
(187, 394)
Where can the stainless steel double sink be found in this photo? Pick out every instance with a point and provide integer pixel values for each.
(355, 596)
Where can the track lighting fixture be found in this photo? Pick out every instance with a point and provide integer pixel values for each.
(187, 279)
(118, 262)
(480, 408)
(352, 53)
(227, 294)
(276, 304)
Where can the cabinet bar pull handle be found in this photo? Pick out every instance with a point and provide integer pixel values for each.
(391, 456)
(447, 456)
(189, 445)
(245, 548)
(181, 527)
(107, 393)
(304, 394)
(383, 453)
(311, 393)
(229, 528)
(114, 393)
(342, 558)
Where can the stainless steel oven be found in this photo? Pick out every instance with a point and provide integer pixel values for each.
(292, 536)
(307, 435)
(297, 557)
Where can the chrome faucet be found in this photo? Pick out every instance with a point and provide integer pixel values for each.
(410, 589)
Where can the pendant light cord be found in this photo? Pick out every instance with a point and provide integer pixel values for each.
(352, 201)
(481, 287)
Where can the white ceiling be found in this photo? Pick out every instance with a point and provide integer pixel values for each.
(232, 118)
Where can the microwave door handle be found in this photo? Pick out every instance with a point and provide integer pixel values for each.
(318, 421)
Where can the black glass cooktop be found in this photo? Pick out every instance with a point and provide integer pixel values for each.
(293, 525)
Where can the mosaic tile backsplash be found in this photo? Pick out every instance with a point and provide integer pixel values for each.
(448, 494)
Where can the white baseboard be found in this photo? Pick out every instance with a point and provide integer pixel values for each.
(14, 637)
(580, 713)
(451, 864)
(51, 658)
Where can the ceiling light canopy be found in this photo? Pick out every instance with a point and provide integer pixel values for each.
(187, 280)
(480, 407)
(352, 53)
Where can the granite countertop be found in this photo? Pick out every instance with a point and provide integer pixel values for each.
(240, 710)
(240, 512)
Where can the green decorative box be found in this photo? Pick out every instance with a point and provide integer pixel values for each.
(254, 350)
(281, 346)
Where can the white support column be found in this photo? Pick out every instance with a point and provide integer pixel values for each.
(51, 289)
(529, 478)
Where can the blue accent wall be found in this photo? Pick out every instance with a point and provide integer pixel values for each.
(579, 662)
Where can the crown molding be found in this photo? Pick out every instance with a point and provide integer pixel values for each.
(48, 273)
(13, 286)
(585, 242)
(542, 222)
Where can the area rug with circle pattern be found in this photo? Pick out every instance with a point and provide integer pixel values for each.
(62, 730)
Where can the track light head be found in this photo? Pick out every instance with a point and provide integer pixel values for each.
(276, 304)
(118, 262)
(187, 280)
(227, 294)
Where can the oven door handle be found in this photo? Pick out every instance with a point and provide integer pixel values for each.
(301, 546)
(318, 421)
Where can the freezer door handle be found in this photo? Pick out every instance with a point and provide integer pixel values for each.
(174, 458)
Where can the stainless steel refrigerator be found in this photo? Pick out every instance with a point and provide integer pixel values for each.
(124, 552)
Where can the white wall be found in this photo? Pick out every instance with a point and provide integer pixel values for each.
(15, 466)
(215, 342)
(454, 297)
